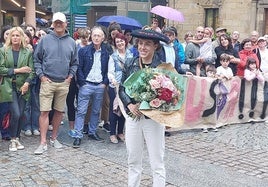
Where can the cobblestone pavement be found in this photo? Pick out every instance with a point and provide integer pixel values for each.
(235, 156)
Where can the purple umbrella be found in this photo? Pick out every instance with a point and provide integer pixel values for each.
(168, 13)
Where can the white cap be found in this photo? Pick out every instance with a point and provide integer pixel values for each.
(59, 16)
(261, 38)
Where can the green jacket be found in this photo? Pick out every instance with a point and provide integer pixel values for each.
(7, 72)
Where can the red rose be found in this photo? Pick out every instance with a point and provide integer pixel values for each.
(165, 94)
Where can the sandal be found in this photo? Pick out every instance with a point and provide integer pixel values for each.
(121, 137)
(113, 139)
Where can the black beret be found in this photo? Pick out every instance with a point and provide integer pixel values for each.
(150, 34)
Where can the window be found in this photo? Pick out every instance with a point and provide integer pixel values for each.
(212, 17)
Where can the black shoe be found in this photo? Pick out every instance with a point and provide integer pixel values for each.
(95, 137)
(106, 127)
(167, 133)
(85, 129)
(77, 142)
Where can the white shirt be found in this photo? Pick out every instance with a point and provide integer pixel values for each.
(169, 53)
(95, 72)
(264, 60)
(225, 72)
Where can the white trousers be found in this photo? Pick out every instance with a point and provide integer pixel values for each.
(154, 135)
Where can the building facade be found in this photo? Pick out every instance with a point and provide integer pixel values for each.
(16, 12)
(241, 15)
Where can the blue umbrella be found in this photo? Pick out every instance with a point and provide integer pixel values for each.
(125, 22)
(41, 21)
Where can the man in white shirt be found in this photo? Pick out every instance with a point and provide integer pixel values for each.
(92, 79)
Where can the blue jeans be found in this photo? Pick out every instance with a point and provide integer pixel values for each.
(93, 94)
(16, 109)
(32, 111)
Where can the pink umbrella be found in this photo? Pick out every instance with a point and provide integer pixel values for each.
(168, 13)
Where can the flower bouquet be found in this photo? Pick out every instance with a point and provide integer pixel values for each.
(160, 93)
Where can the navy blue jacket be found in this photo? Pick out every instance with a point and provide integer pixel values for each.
(86, 59)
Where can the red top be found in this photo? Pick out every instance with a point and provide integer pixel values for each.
(244, 54)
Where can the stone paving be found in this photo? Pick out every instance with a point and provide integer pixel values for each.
(236, 155)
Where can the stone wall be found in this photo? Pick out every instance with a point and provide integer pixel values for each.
(240, 15)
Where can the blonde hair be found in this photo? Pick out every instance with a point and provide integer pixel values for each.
(210, 30)
(8, 42)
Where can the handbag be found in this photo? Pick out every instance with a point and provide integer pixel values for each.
(116, 108)
(120, 103)
(6, 120)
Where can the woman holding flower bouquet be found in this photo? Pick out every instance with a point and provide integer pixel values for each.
(138, 126)
(115, 66)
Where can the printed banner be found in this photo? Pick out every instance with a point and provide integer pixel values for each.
(213, 102)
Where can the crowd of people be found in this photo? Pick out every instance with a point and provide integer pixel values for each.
(43, 72)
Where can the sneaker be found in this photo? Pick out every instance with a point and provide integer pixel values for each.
(72, 133)
(28, 133)
(13, 145)
(114, 139)
(95, 137)
(50, 127)
(18, 144)
(55, 143)
(205, 130)
(77, 143)
(36, 132)
(106, 127)
(41, 149)
(75, 134)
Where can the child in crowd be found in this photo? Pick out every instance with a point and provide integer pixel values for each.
(252, 72)
(210, 72)
(205, 47)
(223, 71)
